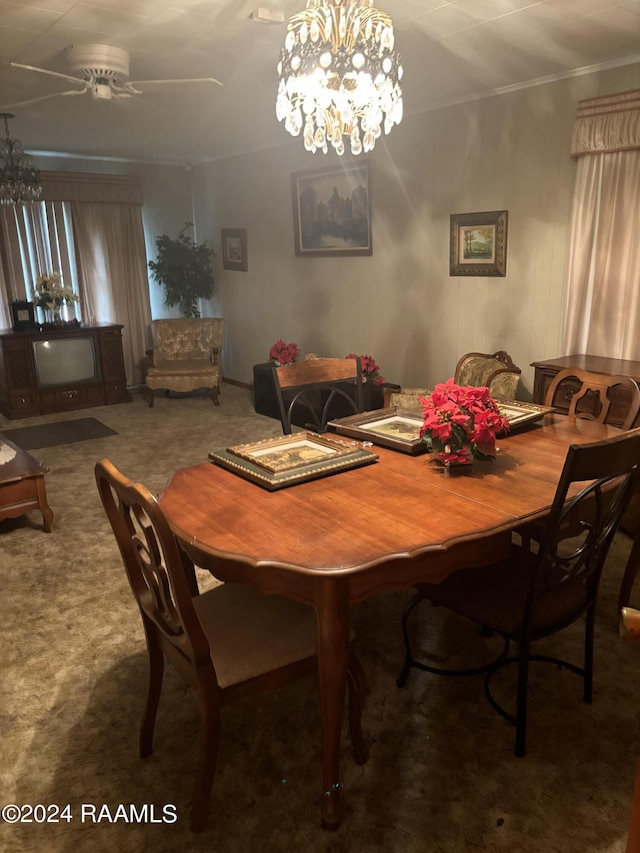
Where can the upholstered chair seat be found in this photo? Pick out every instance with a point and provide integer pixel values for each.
(186, 356)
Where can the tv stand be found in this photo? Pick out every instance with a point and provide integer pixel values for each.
(20, 394)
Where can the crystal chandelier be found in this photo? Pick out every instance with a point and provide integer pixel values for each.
(19, 178)
(339, 75)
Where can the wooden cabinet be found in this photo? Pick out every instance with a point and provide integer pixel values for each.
(546, 370)
(60, 369)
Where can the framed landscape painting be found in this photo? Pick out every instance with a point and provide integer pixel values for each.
(332, 211)
(478, 244)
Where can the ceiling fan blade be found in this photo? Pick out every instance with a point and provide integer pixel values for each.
(44, 98)
(46, 71)
(186, 80)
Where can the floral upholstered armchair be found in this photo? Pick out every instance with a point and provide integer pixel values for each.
(186, 356)
(495, 370)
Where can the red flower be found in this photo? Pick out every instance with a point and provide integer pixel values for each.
(284, 353)
(370, 370)
(461, 421)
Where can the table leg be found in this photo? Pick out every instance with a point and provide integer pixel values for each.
(43, 505)
(332, 621)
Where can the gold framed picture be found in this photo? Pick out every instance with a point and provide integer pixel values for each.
(396, 428)
(519, 413)
(277, 462)
(478, 243)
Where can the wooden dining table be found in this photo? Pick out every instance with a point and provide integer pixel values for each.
(336, 541)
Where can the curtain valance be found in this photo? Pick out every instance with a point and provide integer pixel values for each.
(90, 187)
(607, 124)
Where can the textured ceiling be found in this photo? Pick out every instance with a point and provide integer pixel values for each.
(450, 50)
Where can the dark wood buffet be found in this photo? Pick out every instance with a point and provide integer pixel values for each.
(545, 371)
(61, 368)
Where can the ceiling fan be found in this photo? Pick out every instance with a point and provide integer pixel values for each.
(102, 71)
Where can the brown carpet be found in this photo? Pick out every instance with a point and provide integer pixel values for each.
(441, 778)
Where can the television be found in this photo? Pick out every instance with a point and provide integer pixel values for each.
(64, 361)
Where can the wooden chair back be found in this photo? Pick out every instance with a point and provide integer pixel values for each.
(496, 370)
(161, 576)
(230, 641)
(613, 400)
(309, 390)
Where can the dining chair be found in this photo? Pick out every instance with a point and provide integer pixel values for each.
(599, 397)
(317, 389)
(611, 399)
(229, 642)
(495, 370)
(529, 596)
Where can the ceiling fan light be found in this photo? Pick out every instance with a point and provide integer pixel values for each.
(19, 177)
(101, 91)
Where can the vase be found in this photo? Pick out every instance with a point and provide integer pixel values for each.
(55, 314)
(455, 464)
(68, 312)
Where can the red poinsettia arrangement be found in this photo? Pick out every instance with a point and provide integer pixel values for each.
(370, 370)
(461, 422)
(284, 353)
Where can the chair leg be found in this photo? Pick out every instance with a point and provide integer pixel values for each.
(151, 397)
(208, 755)
(522, 699)
(156, 673)
(408, 660)
(589, 632)
(358, 689)
(215, 394)
(630, 572)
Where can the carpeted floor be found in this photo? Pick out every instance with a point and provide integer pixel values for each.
(441, 778)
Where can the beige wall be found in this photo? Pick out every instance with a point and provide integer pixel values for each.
(400, 305)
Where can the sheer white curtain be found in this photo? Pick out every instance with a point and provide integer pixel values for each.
(111, 252)
(602, 287)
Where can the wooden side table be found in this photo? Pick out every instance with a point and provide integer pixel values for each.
(22, 487)
(546, 370)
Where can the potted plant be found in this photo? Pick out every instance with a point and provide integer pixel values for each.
(461, 423)
(183, 267)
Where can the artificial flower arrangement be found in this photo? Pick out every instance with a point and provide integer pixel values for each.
(461, 422)
(284, 353)
(50, 293)
(369, 368)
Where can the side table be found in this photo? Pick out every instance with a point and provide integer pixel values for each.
(22, 487)
(545, 371)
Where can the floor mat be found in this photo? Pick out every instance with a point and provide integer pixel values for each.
(60, 432)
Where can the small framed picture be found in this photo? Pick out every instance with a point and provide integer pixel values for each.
(234, 249)
(478, 244)
(23, 316)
